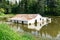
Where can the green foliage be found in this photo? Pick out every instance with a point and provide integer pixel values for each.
(7, 34)
(57, 4)
(43, 7)
(27, 36)
(50, 6)
(2, 11)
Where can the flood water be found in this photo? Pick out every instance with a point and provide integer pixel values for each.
(47, 31)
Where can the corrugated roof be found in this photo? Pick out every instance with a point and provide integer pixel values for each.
(24, 16)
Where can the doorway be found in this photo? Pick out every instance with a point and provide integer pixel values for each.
(22, 22)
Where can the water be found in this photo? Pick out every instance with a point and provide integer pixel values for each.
(46, 30)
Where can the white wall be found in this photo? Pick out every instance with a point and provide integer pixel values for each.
(38, 19)
(33, 20)
(13, 1)
(25, 22)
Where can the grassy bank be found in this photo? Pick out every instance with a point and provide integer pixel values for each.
(7, 34)
(5, 17)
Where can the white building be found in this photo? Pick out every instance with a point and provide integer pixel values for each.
(13, 1)
(28, 18)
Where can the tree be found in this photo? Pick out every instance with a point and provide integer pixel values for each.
(40, 6)
(50, 7)
(57, 9)
(2, 11)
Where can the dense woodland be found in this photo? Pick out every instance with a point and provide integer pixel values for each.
(43, 7)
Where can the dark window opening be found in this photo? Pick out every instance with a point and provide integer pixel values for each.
(29, 23)
(47, 20)
(35, 22)
(40, 24)
(22, 22)
(40, 18)
(14, 21)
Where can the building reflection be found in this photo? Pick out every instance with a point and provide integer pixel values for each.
(37, 26)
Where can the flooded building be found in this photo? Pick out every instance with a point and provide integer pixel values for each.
(28, 18)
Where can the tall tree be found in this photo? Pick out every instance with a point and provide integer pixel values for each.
(50, 7)
(57, 9)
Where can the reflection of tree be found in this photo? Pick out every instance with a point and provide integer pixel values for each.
(52, 29)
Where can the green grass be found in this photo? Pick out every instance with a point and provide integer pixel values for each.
(27, 36)
(7, 34)
(5, 17)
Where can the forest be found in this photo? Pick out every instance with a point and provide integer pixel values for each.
(43, 7)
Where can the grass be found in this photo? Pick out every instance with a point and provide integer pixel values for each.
(27, 36)
(7, 34)
(5, 17)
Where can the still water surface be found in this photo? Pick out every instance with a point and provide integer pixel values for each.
(47, 30)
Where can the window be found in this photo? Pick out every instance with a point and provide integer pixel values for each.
(40, 18)
(22, 22)
(35, 21)
(29, 23)
(40, 24)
